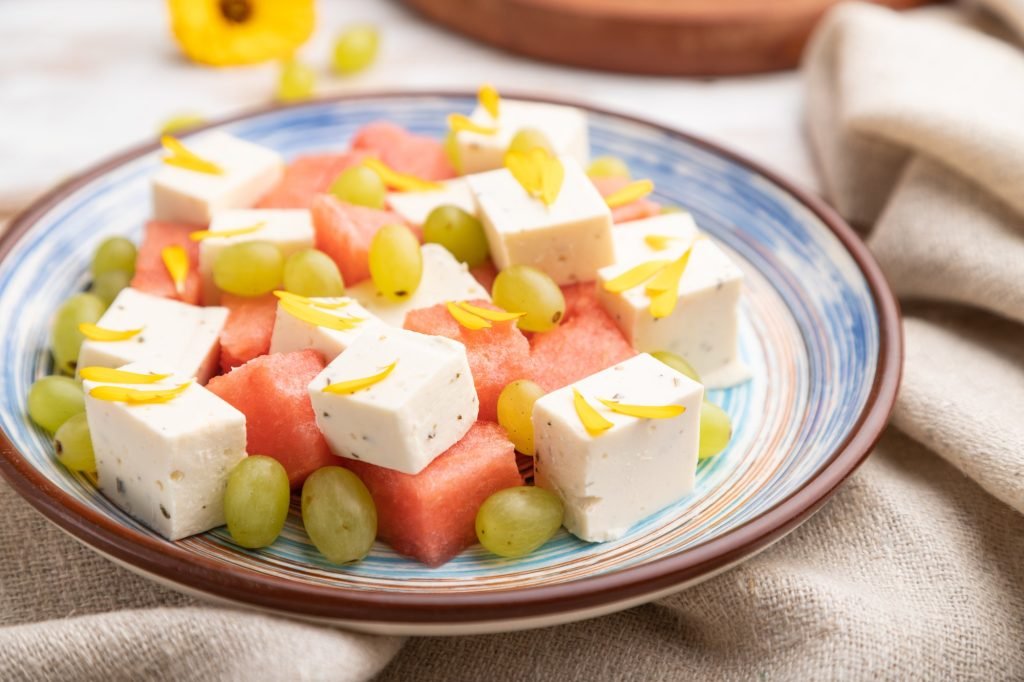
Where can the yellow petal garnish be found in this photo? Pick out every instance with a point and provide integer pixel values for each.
(488, 314)
(182, 157)
(592, 421)
(200, 235)
(176, 261)
(644, 411)
(663, 303)
(315, 302)
(311, 315)
(635, 276)
(353, 385)
(466, 318)
(120, 394)
(668, 278)
(462, 123)
(539, 173)
(630, 193)
(551, 178)
(400, 182)
(119, 376)
(489, 99)
(659, 242)
(96, 333)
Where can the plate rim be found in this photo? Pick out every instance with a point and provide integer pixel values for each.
(165, 559)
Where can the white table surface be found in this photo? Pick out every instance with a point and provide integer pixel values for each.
(81, 80)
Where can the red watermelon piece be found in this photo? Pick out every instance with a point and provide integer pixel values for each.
(247, 332)
(585, 343)
(307, 176)
(497, 356)
(344, 232)
(641, 208)
(405, 152)
(271, 391)
(431, 516)
(151, 274)
(485, 274)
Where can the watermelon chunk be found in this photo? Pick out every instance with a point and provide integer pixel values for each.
(431, 516)
(271, 391)
(485, 274)
(497, 356)
(247, 332)
(641, 208)
(151, 274)
(307, 176)
(405, 152)
(344, 232)
(585, 343)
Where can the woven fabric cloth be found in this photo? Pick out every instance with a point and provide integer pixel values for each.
(912, 571)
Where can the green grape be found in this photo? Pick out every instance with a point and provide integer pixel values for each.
(65, 336)
(74, 444)
(669, 208)
(339, 514)
(526, 139)
(256, 501)
(361, 186)
(312, 273)
(355, 49)
(515, 521)
(249, 268)
(115, 254)
(523, 289)
(109, 284)
(54, 400)
(181, 122)
(677, 363)
(396, 263)
(715, 430)
(296, 81)
(515, 413)
(608, 167)
(451, 150)
(459, 232)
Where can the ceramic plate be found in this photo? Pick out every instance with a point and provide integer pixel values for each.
(819, 330)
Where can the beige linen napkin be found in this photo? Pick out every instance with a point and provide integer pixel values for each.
(913, 571)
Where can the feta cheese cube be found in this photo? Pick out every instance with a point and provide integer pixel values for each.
(610, 481)
(414, 207)
(569, 240)
(181, 337)
(703, 327)
(167, 463)
(564, 127)
(423, 407)
(292, 334)
(187, 196)
(444, 279)
(288, 230)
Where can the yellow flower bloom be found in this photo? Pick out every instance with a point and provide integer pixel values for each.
(231, 32)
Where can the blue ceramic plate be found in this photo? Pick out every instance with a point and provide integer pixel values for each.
(819, 330)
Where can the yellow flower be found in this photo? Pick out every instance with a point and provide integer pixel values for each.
(231, 32)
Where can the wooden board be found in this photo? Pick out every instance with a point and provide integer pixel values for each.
(664, 37)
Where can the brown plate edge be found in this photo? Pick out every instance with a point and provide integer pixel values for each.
(165, 560)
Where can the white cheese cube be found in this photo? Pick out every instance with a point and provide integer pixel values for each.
(288, 230)
(292, 334)
(423, 407)
(188, 196)
(414, 207)
(181, 337)
(167, 463)
(703, 327)
(444, 279)
(610, 481)
(564, 127)
(569, 240)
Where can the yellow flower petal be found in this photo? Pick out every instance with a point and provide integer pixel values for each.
(400, 182)
(552, 176)
(96, 333)
(119, 376)
(635, 276)
(591, 419)
(315, 302)
(539, 173)
(644, 411)
(353, 385)
(659, 242)
(201, 235)
(489, 99)
(524, 170)
(466, 318)
(120, 394)
(630, 193)
(462, 123)
(176, 261)
(668, 278)
(488, 314)
(181, 156)
(311, 315)
(663, 303)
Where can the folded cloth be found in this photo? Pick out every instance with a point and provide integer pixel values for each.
(912, 571)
